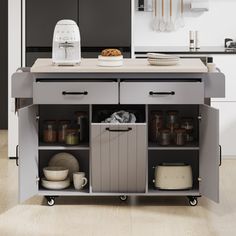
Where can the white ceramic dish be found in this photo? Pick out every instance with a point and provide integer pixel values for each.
(56, 185)
(163, 62)
(110, 61)
(65, 160)
(117, 58)
(161, 56)
(55, 173)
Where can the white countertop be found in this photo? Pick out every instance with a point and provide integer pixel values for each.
(130, 66)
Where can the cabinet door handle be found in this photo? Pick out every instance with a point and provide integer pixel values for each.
(161, 93)
(74, 93)
(118, 130)
(220, 155)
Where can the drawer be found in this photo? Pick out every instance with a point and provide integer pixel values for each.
(75, 93)
(162, 93)
(118, 157)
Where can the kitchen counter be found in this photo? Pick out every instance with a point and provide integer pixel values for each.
(184, 50)
(130, 66)
(118, 159)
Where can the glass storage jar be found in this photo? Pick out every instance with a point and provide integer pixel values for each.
(72, 136)
(187, 123)
(180, 137)
(165, 137)
(156, 125)
(83, 126)
(49, 131)
(62, 130)
(172, 122)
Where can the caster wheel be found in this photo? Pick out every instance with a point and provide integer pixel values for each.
(51, 201)
(123, 198)
(193, 202)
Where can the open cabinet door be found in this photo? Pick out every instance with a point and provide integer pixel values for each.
(28, 153)
(209, 153)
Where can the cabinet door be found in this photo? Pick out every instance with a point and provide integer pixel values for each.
(42, 16)
(209, 152)
(119, 155)
(28, 153)
(105, 23)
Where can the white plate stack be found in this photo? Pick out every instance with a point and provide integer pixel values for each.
(110, 61)
(157, 59)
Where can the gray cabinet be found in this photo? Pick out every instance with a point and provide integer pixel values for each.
(28, 153)
(119, 157)
(209, 157)
(75, 93)
(162, 93)
(42, 16)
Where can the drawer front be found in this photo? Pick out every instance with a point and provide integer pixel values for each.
(162, 93)
(119, 155)
(75, 93)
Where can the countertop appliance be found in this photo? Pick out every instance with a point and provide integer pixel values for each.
(173, 176)
(66, 43)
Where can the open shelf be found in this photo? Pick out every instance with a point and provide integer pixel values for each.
(158, 192)
(190, 146)
(45, 146)
(71, 191)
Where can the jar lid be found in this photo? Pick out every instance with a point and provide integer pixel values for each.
(81, 113)
(187, 118)
(156, 112)
(165, 130)
(64, 121)
(50, 121)
(180, 130)
(172, 112)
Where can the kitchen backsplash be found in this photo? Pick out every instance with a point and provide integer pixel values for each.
(213, 26)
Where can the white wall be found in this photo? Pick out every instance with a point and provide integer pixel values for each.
(14, 62)
(214, 26)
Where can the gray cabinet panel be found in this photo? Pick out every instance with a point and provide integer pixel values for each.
(28, 153)
(105, 23)
(209, 153)
(183, 93)
(42, 16)
(97, 93)
(118, 158)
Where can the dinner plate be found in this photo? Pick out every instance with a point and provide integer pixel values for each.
(161, 56)
(66, 160)
(163, 63)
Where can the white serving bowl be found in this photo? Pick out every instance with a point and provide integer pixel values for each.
(55, 173)
(56, 185)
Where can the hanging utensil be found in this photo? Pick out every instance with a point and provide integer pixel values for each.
(162, 25)
(180, 21)
(170, 26)
(154, 15)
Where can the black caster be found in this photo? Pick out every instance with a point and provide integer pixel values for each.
(193, 201)
(50, 201)
(123, 198)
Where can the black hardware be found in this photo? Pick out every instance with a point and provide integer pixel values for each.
(161, 93)
(17, 155)
(118, 130)
(220, 155)
(74, 93)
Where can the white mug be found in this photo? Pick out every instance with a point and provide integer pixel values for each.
(79, 180)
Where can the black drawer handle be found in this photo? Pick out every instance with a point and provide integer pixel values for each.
(118, 130)
(161, 93)
(74, 93)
